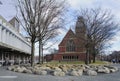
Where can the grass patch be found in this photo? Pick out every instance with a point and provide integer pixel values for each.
(66, 62)
(100, 62)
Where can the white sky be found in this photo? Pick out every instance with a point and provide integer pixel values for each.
(8, 10)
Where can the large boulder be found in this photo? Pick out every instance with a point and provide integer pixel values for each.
(58, 73)
(93, 67)
(44, 68)
(17, 69)
(115, 68)
(80, 72)
(36, 67)
(82, 67)
(20, 70)
(86, 66)
(10, 68)
(57, 69)
(112, 67)
(43, 73)
(65, 69)
(27, 71)
(103, 70)
(40, 72)
(112, 70)
(91, 73)
(30, 68)
(76, 73)
(0, 65)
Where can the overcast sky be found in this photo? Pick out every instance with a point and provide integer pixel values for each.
(8, 10)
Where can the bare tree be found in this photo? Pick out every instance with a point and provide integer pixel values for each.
(100, 28)
(29, 17)
(114, 55)
(42, 19)
(51, 19)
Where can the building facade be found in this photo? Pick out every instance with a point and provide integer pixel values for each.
(72, 46)
(13, 46)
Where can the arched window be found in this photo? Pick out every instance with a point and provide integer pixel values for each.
(70, 46)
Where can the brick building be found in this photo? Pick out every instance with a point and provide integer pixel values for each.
(72, 46)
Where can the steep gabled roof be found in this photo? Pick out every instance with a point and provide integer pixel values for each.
(70, 34)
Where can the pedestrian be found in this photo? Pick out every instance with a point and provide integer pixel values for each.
(6, 61)
(113, 60)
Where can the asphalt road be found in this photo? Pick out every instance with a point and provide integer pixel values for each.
(13, 76)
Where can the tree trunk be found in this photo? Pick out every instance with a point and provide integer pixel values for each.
(40, 52)
(90, 58)
(87, 57)
(32, 53)
(94, 56)
(90, 52)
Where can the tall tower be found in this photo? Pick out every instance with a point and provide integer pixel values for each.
(80, 28)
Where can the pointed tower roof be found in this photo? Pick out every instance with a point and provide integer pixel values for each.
(80, 22)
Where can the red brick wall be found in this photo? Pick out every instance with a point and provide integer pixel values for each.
(62, 49)
(58, 57)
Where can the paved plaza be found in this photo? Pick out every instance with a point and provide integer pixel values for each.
(6, 75)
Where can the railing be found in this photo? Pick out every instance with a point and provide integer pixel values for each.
(11, 38)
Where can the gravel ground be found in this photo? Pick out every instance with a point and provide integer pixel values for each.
(13, 76)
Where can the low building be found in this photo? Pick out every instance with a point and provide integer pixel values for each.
(72, 46)
(13, 46)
